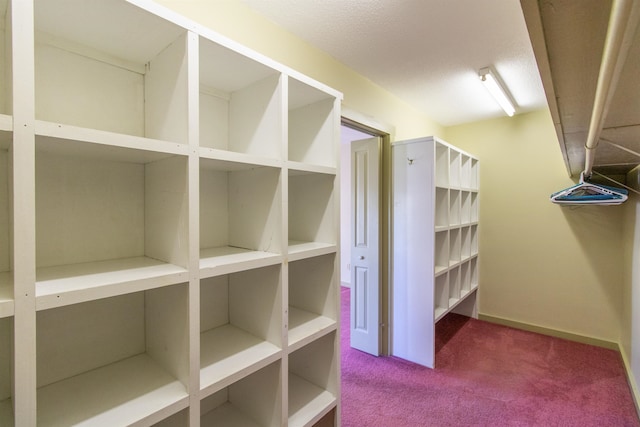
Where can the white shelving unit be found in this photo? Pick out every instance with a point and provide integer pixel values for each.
(435, 242)
(168, 224)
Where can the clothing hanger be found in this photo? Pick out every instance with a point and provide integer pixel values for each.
(588, 193)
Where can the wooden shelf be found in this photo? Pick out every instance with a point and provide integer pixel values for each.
(301, 250)
(228, 353)
(305, 327)
(6, 412)
(6, 294)
(227, 259)
(123, 393)
(227, 415)
(70, 284)
(307, 402)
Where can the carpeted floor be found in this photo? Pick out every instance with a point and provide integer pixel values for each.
(486, 375)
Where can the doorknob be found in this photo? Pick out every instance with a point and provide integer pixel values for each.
(361, 256)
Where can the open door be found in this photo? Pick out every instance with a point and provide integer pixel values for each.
(365, 247)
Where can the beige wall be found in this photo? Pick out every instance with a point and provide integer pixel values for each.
(233, 19)
(541, 264)
(544, 265)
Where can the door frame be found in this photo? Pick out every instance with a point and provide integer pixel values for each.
(365, 124)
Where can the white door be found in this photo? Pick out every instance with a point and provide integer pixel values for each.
(365, 253)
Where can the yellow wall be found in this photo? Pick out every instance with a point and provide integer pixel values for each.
(541, 264)
(234, 20)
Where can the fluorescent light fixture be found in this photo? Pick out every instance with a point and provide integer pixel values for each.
(499, 93)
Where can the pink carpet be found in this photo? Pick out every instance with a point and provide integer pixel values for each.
(486, 375)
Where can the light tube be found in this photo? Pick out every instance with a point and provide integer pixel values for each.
(497, 91)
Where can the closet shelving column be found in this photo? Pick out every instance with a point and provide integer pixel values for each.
(312, 228)
(435, 235)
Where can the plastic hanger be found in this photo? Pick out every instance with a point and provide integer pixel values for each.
(587, 193)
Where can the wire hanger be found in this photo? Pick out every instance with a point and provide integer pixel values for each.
(587, 193)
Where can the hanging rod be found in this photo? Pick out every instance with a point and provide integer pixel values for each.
(622, 25)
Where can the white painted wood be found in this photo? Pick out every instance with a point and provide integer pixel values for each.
(311, 202)
(308, 403)
(313, 389)
(300, 250)
(70, 284)
(305, 327)
(311, 124)
(227, 415)
(365, 245)
(228, 354)
(159, 161)
(5, 218)
(165, 94)
(166, 210)
(122, 393)
(434, 233)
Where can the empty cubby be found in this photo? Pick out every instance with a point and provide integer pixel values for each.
(474, 209)
(454, 246)
(107, 216)
(6, 278)
(442, 165)
(240, 103)
(473, 267)
(441, 256)
(465, 207)
(240, 215)
(312, 125)
(312, 299)
(454, 207)
(111, 66)
(441, 295)
(465, 241)
(474, 240)
(240, 325)
(442, 208)
(465, 278)
(474, 174)
(454, 168)
(312, 214)
(313, 383)
(5, 59)
(454, 286)
(465, 171)
(6, 371)
(114, 361)
(253, 401)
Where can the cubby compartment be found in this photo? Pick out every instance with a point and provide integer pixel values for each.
(441, 295)
(442, 208)
(465, 242)
(241, 325)
(454, 168)
(312, 299)
(312, 214)
(474, 174)
(474, 207)
(179, 419)
(240, 103)
(6, 371)
(109, 220)
(115, 361)
(442, 165)
(111, 66)
(6, 224)
(454, 246)
(465, 171)
(240, 216)
(253, 401)
(474, 240)
(465, 207)
(454, 286)
(473, 272)
(312, 125)
(6, 65)
(313, 381)
(454, 207)
(441, 255)
(465, 279)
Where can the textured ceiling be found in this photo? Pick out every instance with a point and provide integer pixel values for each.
(426, 52)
